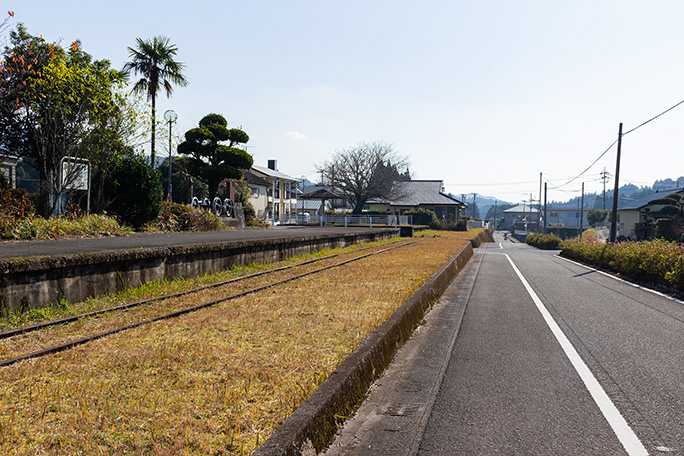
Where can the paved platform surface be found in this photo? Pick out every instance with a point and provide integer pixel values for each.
(74, 246)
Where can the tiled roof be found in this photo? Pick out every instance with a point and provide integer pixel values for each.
(253, 179)
(421, 192)
(643, 202)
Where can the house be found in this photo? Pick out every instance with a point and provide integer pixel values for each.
(340, 203)
(567, 217)
(631, 216)
(420, 194)
(8, 167)
(258, 187)
(312, 206)
(526, 217)
(521, 217)
(281, 191)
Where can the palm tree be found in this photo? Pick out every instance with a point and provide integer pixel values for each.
(154, 61)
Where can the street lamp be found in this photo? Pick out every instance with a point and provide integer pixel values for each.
(171, 117)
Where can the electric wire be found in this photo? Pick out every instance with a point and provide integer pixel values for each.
(652, 118)
(615, 142)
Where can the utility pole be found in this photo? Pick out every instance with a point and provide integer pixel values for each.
(545, 192)
(495, 221)
(604, 177)
(539, 230)
(581, 220)
(613, 221)
(474, 201)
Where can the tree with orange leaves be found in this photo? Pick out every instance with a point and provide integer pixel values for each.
(51, 100)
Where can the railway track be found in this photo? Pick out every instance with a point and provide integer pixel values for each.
(175, 304)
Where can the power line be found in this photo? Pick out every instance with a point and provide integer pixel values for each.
(589, 167)
(653, 118)
(493, 184)
(615, 142)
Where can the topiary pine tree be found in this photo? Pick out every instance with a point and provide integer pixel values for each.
(210, 161)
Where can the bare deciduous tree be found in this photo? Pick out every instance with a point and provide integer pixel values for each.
(366, 171)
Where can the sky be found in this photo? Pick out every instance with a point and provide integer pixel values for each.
(483, 95)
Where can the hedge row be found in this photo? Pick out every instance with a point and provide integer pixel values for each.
(543, 241)
(657, 261)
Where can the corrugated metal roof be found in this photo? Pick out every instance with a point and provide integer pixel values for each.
(273, 173)
(312, 205)
(523, 208)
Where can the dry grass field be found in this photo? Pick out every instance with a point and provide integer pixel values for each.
(216, 381)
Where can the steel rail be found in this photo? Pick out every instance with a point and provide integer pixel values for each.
(177, 313)
(60, 321)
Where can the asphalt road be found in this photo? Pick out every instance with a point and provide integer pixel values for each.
(556, 360)
(73, 246)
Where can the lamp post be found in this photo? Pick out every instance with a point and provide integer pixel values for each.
(171, 117)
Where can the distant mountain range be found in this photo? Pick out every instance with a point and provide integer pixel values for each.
(627, 193)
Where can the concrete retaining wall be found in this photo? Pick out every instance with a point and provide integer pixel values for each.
(38, 281)
(316, 421)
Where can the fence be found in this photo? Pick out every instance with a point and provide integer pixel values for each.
(343, 220)
(472, 224)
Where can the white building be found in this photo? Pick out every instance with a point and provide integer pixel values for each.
(274, 194)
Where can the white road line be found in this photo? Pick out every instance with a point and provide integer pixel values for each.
(662, 295)
(624, 433)
(500, 245)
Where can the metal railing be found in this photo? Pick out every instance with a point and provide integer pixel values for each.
(342, 220)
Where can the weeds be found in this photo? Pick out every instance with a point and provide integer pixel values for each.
(59, 227)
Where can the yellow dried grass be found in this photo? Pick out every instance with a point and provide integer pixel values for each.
(216, 381)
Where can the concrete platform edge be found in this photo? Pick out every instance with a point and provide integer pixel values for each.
(35, 282)
(316, 421)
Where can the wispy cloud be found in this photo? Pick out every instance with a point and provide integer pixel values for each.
(295, 135)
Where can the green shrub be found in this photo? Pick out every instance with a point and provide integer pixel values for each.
(138, 192)
(658, 261)
(544, 241)
(422, 216)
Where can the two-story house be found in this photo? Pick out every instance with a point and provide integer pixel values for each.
(275, 192)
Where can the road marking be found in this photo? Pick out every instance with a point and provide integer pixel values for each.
(621, 428)
(500, 245)
(662, 295)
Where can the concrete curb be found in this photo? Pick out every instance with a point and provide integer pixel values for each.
(316, 420)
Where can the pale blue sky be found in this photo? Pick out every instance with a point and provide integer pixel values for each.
(479, 94)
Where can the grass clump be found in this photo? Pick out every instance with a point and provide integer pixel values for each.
(18, 220)
(34, 227)
(449, 225)
(179, 217)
